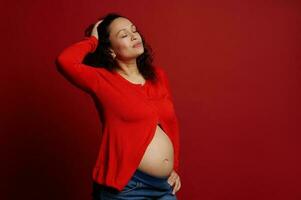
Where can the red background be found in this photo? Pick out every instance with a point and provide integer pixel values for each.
(234, 69)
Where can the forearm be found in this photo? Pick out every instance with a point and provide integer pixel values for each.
(75, 53)
(70, 61)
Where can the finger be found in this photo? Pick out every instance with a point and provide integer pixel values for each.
(175, 188)
(171, 178)
(97, 23)
(171, 182)
(179, 185)
(175, 178)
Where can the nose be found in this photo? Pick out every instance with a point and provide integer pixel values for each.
(133, 36)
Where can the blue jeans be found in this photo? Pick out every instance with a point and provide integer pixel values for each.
(141, 186)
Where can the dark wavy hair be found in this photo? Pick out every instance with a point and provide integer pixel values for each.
(101, 57)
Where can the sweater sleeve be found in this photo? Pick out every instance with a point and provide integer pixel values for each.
(70, 62)
(175, 124)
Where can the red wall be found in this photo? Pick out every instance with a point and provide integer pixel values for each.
(234, 68)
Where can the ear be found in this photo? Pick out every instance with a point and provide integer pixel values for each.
(112, 52)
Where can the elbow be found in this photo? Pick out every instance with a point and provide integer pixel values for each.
(61, 63)
(60, 60)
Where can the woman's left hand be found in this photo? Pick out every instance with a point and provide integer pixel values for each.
(174, 181)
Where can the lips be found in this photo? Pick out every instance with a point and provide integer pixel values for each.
(137, 44)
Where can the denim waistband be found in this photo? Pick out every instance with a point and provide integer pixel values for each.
(149, 179)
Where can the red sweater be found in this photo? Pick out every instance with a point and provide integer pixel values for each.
(130, 113)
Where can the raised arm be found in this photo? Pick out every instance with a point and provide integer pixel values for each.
(70, 62)
(71, 58)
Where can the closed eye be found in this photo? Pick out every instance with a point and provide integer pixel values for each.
(127, 35)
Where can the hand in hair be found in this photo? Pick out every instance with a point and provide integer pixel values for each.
(94, 29)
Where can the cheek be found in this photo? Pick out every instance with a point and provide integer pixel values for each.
(124, 47)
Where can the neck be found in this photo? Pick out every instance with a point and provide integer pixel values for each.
(128, 67)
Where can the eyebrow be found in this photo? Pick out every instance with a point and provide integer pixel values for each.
(124, 29)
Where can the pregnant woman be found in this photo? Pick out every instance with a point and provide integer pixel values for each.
(139, 149)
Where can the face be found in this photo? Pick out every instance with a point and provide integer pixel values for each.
(124, 37)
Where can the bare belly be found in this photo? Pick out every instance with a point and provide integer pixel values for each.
(158, 157)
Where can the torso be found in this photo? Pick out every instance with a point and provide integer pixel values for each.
(158, 157)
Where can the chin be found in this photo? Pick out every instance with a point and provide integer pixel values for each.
(139, 53)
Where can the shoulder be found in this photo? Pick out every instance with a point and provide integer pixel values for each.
(102, 70)
(160, 71)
